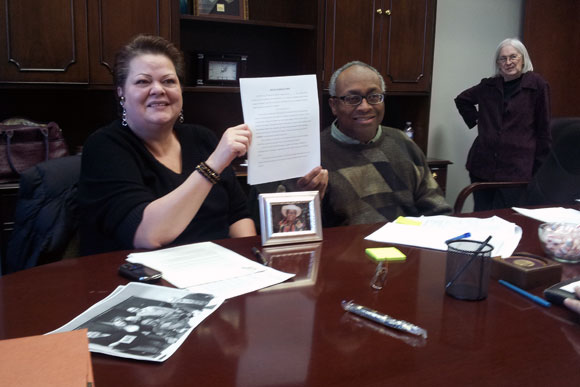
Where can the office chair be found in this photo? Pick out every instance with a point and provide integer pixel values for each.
(46, 219)
(557, 182)
(558, 179)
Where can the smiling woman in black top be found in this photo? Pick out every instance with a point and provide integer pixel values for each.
(147, 181)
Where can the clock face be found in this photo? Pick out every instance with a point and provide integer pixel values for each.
(222, 71)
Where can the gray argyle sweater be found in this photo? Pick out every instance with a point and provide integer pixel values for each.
(379, 181)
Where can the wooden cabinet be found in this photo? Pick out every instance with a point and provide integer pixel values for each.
(73, 41)
(113, 23)
(550, 33)
(280, 38)
(439, 171)
(394, 36)
(44, 41)
(66, 43)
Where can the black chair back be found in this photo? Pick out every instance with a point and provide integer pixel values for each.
(557, 182)
(46, 216)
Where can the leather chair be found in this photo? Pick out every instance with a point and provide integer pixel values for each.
(557, 182)
(46, 216)
(465, 192)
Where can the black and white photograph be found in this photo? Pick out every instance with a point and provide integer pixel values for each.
(130, 323)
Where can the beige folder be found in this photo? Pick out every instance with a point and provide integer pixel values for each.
(59, 359)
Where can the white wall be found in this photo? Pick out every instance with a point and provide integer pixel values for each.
(467, 34)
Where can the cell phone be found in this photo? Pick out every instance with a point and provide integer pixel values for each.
(557, 293)
(139, 272)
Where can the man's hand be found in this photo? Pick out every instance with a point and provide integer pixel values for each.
(315, 180)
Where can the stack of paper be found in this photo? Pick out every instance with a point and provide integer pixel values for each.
(551, 214)
(210, 268)
(52, 360)
(432, 232)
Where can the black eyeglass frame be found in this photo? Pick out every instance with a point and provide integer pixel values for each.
(343, 98)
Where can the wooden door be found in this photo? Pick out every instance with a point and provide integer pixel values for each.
(351, 33)
(552, 37)
(394, 36)
(407, 40)
(112, 23)
(43, 41)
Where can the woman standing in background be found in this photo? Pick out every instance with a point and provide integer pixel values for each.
(512, 116)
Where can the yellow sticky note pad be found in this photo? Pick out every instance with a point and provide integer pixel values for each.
(409, 222)
(385, 254)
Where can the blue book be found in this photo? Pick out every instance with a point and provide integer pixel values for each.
(184, 6)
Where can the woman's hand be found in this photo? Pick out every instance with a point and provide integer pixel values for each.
(315, 180)
(234, 143)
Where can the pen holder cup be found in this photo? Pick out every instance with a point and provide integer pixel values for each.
(468, 269)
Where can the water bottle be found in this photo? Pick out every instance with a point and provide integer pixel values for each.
(409, 130)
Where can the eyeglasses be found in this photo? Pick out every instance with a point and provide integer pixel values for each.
(355, 100)
(512, 58)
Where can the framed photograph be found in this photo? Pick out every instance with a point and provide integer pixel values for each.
(290, 217)
(302, 260)
(227, 9)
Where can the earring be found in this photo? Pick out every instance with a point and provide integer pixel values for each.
(124, 113)
(181, 119)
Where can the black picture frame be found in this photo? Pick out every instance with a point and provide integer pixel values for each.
(225, 9)
(206, 75)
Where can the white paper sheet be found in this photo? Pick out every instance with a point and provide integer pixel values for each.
(241, 285)
(283, 114)
(435, 230)
(206, 265)
(551, 214)
(571, 286)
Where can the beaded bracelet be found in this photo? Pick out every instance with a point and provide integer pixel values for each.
(208, 173)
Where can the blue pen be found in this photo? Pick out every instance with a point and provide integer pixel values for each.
(536, 299)
(466, 235)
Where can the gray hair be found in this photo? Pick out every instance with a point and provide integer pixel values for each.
(332, 83)
(519, 46)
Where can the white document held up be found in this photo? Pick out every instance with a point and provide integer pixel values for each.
(283, 114)
(433, 231)
(206, 265)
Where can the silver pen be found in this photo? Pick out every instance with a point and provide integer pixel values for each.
(383, 319)
(412, 340)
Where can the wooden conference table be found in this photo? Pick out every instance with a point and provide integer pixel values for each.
(298, 335)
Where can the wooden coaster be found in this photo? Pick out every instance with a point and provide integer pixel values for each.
(526, 270)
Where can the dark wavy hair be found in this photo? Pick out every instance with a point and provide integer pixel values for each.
(146, 44)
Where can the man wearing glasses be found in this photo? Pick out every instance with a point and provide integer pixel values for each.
(376, 173)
